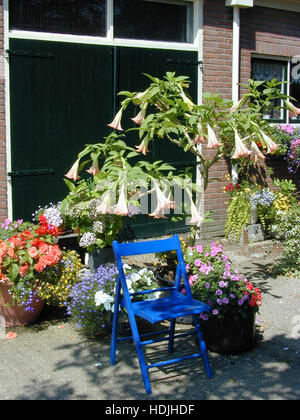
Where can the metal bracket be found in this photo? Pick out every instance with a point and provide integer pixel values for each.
(185, 62)
(35, 54)
(31, 172)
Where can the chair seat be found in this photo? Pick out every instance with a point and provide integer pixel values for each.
(177, 305)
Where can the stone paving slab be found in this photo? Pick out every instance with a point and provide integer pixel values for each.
(48, 362)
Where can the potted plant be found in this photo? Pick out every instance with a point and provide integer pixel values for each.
(251, 203)
(230, 326)
(91, 302)
(213, 130)
(96, 230)
(98, 202)
(28, 255)
(288, 139)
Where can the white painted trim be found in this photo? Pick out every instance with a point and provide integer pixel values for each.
(270, 57)
(236, 54)
(236, 30)
(46, 36)
(109, 20)
(198, 31)
(291, 5)
(7, 108)
(288, 86)
(154, 44)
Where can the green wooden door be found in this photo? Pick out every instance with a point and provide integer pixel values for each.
(61, 99)
(131, 64)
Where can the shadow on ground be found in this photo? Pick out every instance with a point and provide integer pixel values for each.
(269, 371)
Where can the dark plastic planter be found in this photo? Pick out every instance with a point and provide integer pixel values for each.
(101, 256)
(232, 334)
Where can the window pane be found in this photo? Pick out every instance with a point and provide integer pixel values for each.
(60, 16)
(295, 87)
(153, 20)
(268, 70)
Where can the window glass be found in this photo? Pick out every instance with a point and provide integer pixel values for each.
(155, 20)
(268, 70)
(75, 17)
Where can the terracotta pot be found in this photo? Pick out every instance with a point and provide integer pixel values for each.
(15, 315)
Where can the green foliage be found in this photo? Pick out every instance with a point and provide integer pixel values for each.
(287, 188)
(238, 214)
(10, 228)
(93, 203)
(173, 116)
(288, 229)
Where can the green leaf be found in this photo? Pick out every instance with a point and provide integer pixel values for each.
(132, 154)
(70, 184)
(13, 271)
(126, 93)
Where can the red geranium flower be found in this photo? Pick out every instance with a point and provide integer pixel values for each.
(23, 270)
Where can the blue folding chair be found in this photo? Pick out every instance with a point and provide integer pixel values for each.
(165, 308)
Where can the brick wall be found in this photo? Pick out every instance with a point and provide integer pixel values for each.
(269, 32)
(263, 31)
(275, 33)
(217, 56)
(3, 184)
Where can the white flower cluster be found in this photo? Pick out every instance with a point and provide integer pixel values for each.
(53, 216)
(102, 298)
(98, 227)
(142, 277)
(87, 239)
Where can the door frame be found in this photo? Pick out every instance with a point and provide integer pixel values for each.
(197, 46)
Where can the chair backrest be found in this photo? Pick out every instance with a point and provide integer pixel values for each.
(151, 247)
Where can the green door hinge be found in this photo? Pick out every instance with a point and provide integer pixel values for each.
(32, 172)
(22, 53)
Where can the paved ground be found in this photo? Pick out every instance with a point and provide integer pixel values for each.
(47, 362)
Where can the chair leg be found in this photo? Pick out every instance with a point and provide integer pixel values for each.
(202, 346)
(144, 370)
(171, 337)
(114, 335)
(139, 351)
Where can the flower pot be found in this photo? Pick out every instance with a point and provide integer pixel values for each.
(99, 257)
(231, 334)
(15, 315)
(70, 242)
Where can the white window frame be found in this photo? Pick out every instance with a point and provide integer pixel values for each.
(109, 38)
